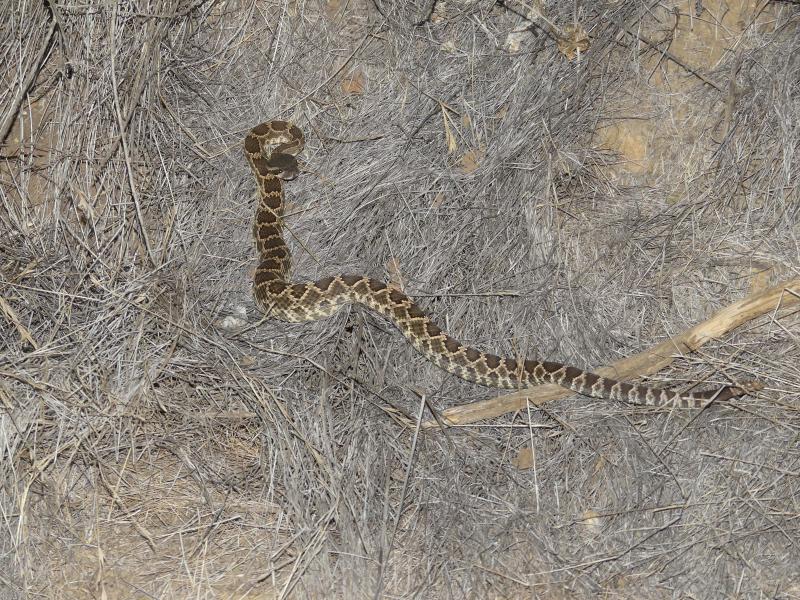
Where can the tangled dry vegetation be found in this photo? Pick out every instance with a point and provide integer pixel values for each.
(564, 180)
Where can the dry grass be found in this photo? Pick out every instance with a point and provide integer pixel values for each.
(158, 440)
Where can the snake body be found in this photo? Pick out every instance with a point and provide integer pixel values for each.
(271, 149)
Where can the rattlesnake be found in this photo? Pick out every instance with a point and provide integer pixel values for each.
(271, 148)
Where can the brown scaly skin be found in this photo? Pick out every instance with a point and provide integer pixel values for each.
(298, 302)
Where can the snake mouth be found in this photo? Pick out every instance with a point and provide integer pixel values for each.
(289, 175)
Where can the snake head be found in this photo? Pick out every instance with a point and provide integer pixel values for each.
(283, 165)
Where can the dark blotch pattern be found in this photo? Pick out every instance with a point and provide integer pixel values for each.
(350, 280)
(433, 330)
(452, 345)
(472, 354)
(376, 286)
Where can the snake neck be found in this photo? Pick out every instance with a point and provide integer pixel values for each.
(273, 254)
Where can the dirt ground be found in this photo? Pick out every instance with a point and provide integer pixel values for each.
(566, 181)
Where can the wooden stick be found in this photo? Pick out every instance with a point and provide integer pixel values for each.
(781, 296)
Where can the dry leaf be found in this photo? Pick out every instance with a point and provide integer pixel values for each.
(395, 276)
(524, 459)
(514, 39)
(573, 41)
(449, 46)
(333, 9)
(448, 133)
(85, 211)
(354, 83)
(21, 329)
(439, 11)
(592, 520)
(599, 467)
(760, 278)
(472, 160)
